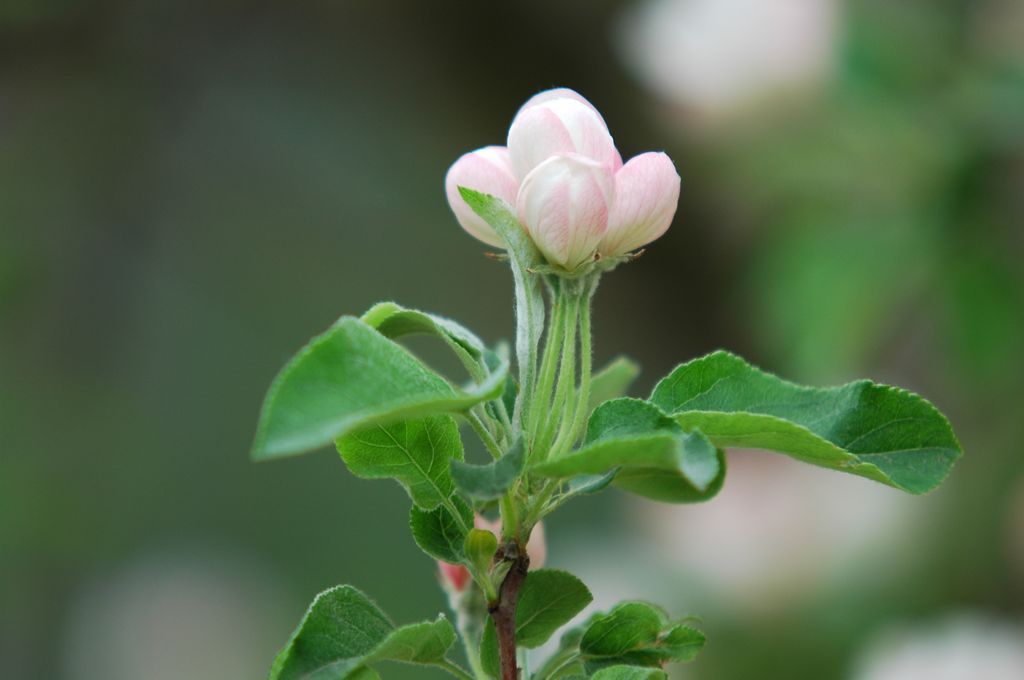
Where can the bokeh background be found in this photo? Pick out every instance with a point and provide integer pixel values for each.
(189, 191)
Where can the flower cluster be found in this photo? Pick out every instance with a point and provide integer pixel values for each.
(567, 182)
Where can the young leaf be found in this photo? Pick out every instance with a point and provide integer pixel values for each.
(438, 533)
(487, 482)
(344, 631)
(647, 446)
(548, 600)
(875, 431)
(629, 673)
(637, 634)
(612, 381)
(524, 257)
(349, 378)
(416, 453)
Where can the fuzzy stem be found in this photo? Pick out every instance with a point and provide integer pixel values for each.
(566, 376)
(484, 434)
(549, 363)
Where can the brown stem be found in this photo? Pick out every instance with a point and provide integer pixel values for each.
(503, 612)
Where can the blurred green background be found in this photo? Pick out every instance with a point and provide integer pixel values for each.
(189, 191)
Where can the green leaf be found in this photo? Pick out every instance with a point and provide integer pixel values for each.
(612, 381)
(626, 627)
(589, 484)
(875, 431)
(343, 631)
(419, 643)
(650, 450)
(393, 321)
(349, 378)
(416, 453)
(547, 601)
(637, 634)
(487, 482)
(440, 534)
(629, 673)
(341, 627)
(524, 257)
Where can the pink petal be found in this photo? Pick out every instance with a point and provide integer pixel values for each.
(564, 204)
(646, 196)
(559, 125)
(487, 170)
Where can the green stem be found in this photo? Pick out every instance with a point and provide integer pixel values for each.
(569, 436)
(549, 363)
(484, 434)
(566, 375)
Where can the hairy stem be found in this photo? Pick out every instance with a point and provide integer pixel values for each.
(542, 395)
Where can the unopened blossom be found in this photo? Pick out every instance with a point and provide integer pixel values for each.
(456, 577)
(565, 179)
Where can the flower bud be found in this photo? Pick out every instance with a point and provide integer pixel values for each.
(559, 122)
(487, 170)
(455, 577)
(537, 547)
(646, 195)
(564, 204)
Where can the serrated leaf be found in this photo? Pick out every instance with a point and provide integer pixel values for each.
(627, 626)
(415, 453)
(875, 431)
(490, 481)
(524, 257)
(612, 381)
(438, 533)
(637, 634)
(344, 631)
(549, 599)
(352, 377)
(340, 628)
(629, 673)
(422, 643)
(634, 435)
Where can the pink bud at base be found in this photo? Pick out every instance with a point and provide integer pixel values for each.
(454, 576)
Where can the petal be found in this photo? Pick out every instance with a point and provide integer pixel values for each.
(564, 204)
(558, 93)
(559, 125)
(646, 196)
(487, 170)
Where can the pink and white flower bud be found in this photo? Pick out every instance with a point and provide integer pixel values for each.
(536, 547)
(564, 204)
(559, 122)
(455, 576)
(646, 195)
(487, 170)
